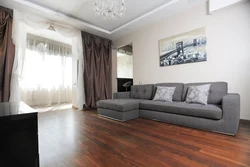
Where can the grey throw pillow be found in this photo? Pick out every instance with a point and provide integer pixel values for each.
(198, 94)
(164, 93)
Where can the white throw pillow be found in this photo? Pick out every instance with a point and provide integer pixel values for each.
(198, 94)
(164, 93)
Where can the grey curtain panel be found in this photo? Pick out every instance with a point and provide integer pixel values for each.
(7, 52)
(97, 69)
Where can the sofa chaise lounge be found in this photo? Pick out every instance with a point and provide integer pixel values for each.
(221, 115)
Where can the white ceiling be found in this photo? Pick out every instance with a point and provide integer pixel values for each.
(80, 14)
(83, 10)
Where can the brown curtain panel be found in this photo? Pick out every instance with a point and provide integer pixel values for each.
(7, 52)
(97, 69)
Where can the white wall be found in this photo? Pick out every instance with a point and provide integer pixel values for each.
(228, 35)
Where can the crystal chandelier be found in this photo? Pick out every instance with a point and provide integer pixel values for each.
(109, 9)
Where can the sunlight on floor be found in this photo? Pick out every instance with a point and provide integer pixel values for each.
(53, 108)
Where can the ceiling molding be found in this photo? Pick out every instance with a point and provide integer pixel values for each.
(52, 12)
(145, 15)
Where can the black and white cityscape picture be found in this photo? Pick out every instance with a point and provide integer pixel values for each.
(189, 47)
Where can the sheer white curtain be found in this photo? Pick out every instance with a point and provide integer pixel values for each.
(47, 72)
(77, 51)
(21, 23)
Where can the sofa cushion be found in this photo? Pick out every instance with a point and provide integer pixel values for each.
(198, 94)
(119, 104)
(217, 91)
(181, 108)
(178, 91)
(142, 91)
(164, 93)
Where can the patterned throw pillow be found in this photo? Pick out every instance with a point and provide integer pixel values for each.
(198, 94)
(164, 93)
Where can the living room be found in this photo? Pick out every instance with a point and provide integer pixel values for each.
(146, 83)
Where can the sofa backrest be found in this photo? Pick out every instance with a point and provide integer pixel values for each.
(142, 91)
(216, 92)
(178, 90)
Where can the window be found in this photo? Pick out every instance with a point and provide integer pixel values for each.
(47, 72)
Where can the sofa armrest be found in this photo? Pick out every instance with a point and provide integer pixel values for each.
(231, 111)
(121, 95)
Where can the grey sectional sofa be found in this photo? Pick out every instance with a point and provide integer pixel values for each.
(222, 113)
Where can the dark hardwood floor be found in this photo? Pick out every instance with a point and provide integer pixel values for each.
(71, 138)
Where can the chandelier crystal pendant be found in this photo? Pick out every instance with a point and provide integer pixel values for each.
(109, 9)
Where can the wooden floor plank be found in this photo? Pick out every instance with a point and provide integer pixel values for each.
(82, 138)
